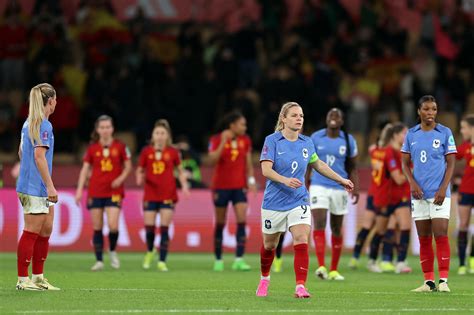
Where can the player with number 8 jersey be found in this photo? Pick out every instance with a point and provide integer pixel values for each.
(431, 148)
(285, 157)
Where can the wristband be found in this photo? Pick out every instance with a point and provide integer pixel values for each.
(251, 180)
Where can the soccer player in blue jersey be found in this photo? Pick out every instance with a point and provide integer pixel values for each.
(35, 188)
(431, 148)
(284, 160)
(339, 150)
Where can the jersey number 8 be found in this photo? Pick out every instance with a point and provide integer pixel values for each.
(423, 156)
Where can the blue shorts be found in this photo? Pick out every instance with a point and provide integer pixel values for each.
(114, 201)
(466, 200)
(391, 208)
(370, 203)
(158, 205)
(222, 197)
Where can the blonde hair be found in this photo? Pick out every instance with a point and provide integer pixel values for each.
(283, 112)
(39, 96)
(385, 135)
(163, 123)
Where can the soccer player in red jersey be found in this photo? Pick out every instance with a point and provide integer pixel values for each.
(466, 192)
(381, 181)
(155, 170)
(399, 204)
(108, 162)
(231, 150)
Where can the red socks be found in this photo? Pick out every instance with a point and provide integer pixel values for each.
(266, 260)
(25, 252)
(40, 253)
(301, 263)
(427, 257)
(443, 255)
(319, 238)
(336, 251)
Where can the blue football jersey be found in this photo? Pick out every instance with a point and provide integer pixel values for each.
(30, 181)
(290, 159)
(333, 151)
(428, 150)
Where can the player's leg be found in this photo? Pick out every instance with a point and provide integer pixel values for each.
(368, 222)
(277, 264)
(113, 214)
(149, 219)
(319, 208)
(381, 222)
(267, 254)
(403, 217)
(166, 217)
(221, 200)
(388, 242)
(33, 224)
(96, 209)
(464, 212)
(240, 209)
(336, 245)
(300, 233)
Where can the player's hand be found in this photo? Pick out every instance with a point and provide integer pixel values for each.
(186, 191)
(139, 179)
(355, 197)
(416, 191)
(78, 197)
(439, 197)
(52, 194)
(226, 135)
(116, 183)
(347, 184)
(293, 183)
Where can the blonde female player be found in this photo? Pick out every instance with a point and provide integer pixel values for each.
(110, 162)
(36, 189)
(155, 170)
(284, 159)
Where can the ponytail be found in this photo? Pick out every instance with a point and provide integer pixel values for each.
(283, 112)
(39, 96)
(385, 135)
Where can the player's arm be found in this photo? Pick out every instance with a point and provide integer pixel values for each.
(252, 183)
(269, 172)
(354, 177)
(42, 164)
(448, 174)
(82, 181)
(127, 168)
(323, 169)
(398, 177)
(215, 155)
(183, 179)
(139, 175)
(415, 189)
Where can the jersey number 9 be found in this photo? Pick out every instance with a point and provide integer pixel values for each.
(294, 167)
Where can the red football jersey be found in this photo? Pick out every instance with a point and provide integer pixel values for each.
(466, 152)
(399, 193)
(230, 171)
(160, 183)
(107, 165)
(380, 177)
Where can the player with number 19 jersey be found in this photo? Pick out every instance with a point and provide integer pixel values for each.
(290, 159)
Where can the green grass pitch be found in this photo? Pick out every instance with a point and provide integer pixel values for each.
(192, 287)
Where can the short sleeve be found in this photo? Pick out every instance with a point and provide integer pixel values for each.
(462, 150)
(46, 135)
(354, 150)
(406, 144)
(213, 143)
(391, 161)
(450, 148)
(126, 155)
(143, 158)
(268, 150)
(88, 157)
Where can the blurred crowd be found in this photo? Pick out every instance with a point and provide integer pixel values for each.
(369, 61)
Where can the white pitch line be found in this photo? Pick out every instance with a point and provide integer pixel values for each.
(369, 310)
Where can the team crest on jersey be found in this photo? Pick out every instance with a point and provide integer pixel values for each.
(342, 150)
(436, 143)
(305, 153)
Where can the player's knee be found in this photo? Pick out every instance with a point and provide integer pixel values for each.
(300, 239)
(270, 245)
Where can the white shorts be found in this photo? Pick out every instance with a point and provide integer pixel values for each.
(335, 200)
(280, 221)
(34, 204)
(425, 209)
